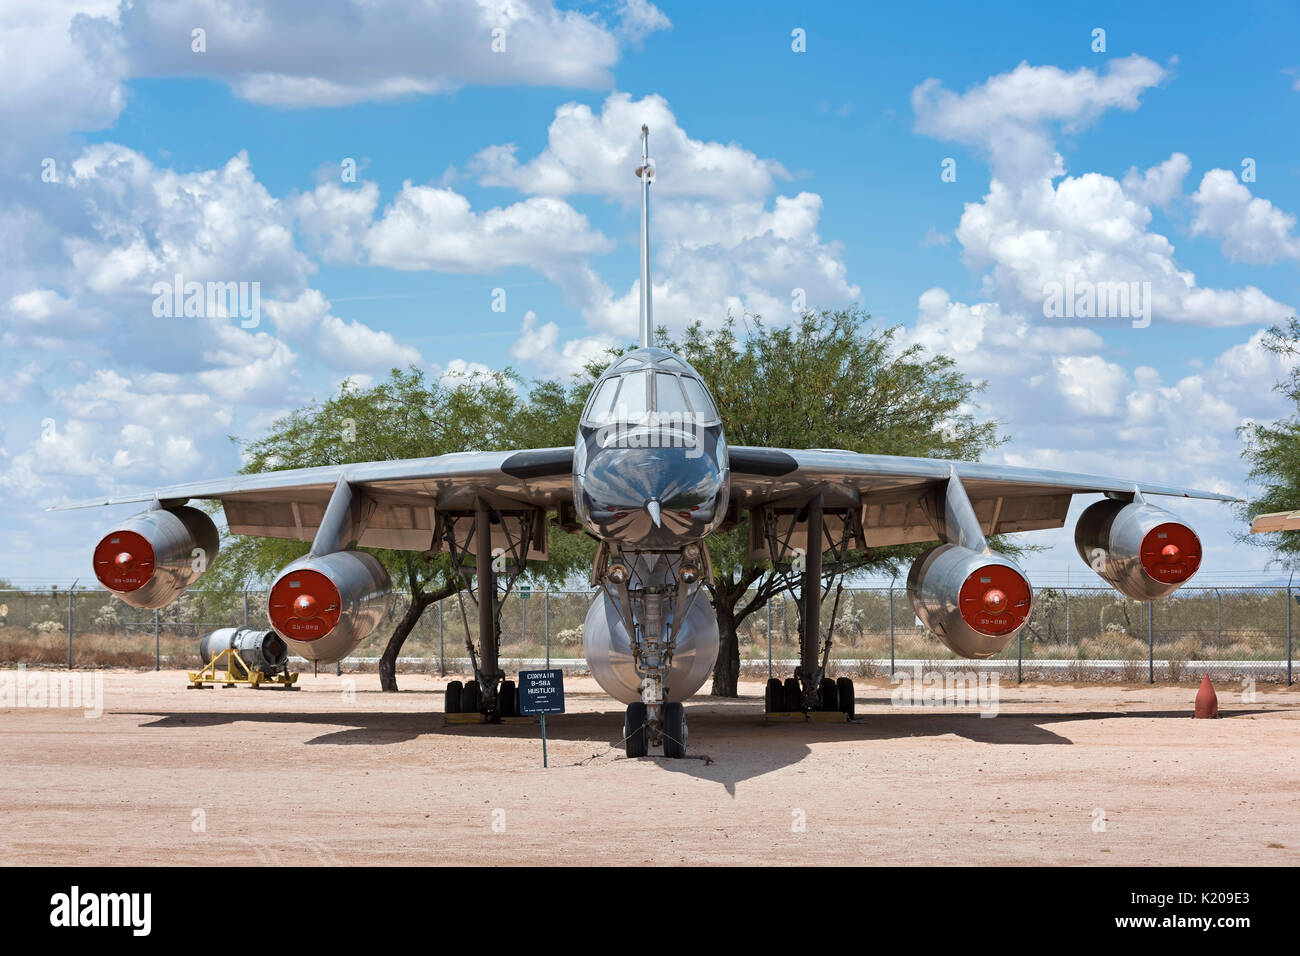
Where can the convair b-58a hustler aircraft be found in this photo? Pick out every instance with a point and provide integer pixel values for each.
(650, 476)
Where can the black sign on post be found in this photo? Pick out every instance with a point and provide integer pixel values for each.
(541, 692)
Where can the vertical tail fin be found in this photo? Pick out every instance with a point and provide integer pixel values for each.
(645, 172)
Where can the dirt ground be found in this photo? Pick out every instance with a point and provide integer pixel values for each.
(339, 773)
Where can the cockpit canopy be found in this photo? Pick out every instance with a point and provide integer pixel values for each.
(650, 381)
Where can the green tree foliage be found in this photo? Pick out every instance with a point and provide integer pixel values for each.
(1273, 452)
(404, 416)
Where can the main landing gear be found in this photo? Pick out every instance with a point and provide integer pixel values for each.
(836, 530)
(782, 697)
(501, 543)
(466, 698)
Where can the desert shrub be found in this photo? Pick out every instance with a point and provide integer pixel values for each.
(108, 619)
(1112, 645)
(570, 636)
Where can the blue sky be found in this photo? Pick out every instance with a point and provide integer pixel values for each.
(479, 170)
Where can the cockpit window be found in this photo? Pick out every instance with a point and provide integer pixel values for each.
(620, 397)
(625, 394)
(669, 399)
(599, 408)
(633, 396)
(701, 404)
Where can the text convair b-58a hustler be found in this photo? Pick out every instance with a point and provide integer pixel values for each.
(650, 476)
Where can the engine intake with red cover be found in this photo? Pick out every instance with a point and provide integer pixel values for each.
(974, 603)
(1142, 551)
(325, 605)
(152, 557)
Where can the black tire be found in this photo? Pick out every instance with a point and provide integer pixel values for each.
(845, 687)
(469, 698)
(674, 730)
(634, 729)
(828, 694)
(793, 695)
(507, 704)
(774, 696)
(451, 698)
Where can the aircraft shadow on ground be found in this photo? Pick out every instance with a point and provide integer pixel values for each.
(728, 744)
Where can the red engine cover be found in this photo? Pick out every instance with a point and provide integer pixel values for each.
(1171, 553)
(124, 561)
(304, 605)
(994, 600)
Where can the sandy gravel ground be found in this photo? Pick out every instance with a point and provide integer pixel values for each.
(339, 773)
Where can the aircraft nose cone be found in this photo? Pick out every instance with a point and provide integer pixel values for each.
(652, 507)
(304, 606)
(1171, 553)
(124, 560)
(995, 600)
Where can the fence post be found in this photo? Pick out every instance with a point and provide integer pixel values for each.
(1218, 598)
(1288, 628)
(70, 590)
(245, 607)
(157, 659)
(769, 637)
(1151, 642)
(892, 668)
(442, 654)
(546, 616)
(1066, 592)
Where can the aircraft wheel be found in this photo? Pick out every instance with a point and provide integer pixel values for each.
(469, 698)
(634, 729)
(774, 696)
(827, 694)
(793, 696)
(674, 730)
(451, 698)
(845, 687)
(507, 705)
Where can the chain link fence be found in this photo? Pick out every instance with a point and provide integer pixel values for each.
(1074, 634)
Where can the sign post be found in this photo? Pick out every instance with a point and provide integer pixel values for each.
(541, 692)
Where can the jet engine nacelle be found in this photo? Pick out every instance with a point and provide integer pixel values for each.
(974, 603)
(152, 557)
(324, 606)
(261, 650)
(1142, 551)
(608, 648)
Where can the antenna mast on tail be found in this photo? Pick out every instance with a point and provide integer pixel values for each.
(645, 172)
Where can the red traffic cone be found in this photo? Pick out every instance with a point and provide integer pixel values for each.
(1207, 701)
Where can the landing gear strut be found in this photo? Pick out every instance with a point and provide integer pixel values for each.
(521, 532)
(810, 690)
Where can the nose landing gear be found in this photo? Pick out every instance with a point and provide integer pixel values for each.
(654, 591)
(639, 731)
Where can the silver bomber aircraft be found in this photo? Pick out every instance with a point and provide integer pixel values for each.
(650, 476)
